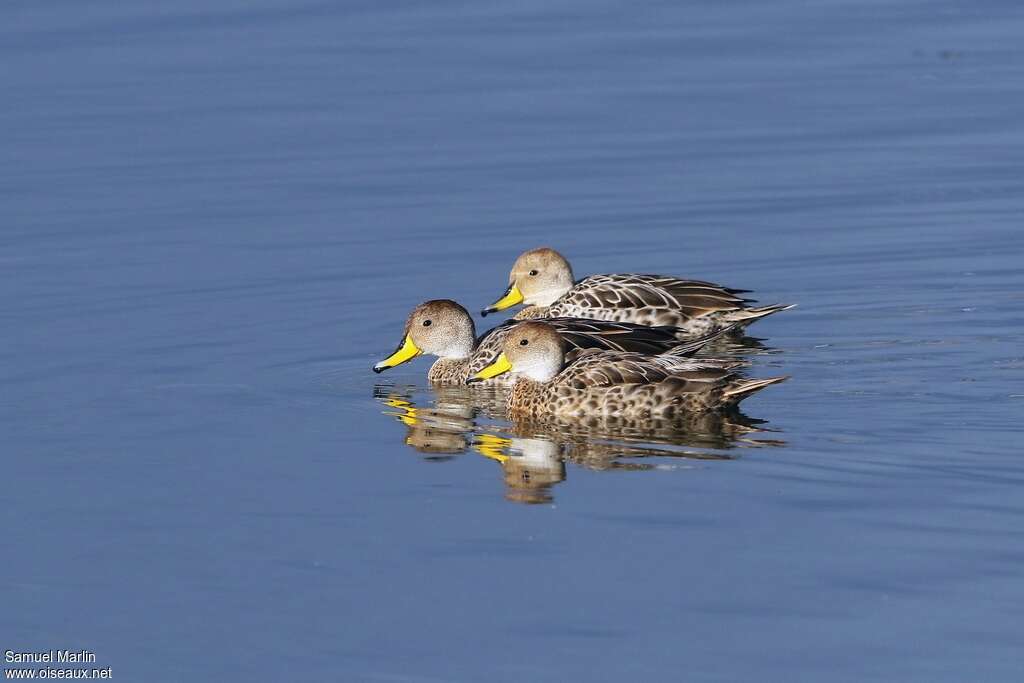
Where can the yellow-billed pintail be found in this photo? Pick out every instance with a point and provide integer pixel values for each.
(443, 328)
(542, 280)
(610, 383)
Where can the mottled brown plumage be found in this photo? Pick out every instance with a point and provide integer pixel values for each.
(614, 383)
(544, 282)
(450, 335)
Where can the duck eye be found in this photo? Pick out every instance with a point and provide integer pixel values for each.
(533, 272)
(426, 323)
(524, 342)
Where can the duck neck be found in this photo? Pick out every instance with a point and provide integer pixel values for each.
(547, 297)
(461, 345)
(542, 369)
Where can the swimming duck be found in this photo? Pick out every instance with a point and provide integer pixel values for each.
(610, 383)
(542, 280)
(443, 328)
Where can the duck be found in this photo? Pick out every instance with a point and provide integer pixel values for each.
(610, 383)
(444, 328)
(542, 280)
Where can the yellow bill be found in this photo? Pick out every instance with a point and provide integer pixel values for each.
(407, 351)
(499, 367)
(511, 297)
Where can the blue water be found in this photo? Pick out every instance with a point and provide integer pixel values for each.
(215, 216)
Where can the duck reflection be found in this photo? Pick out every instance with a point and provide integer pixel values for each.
(731, 346)
(450, 421)
(531, 466)
(441, 432)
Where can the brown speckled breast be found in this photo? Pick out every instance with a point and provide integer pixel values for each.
(449, 371)
(631, 385)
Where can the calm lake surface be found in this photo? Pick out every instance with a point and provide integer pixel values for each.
(215, 216)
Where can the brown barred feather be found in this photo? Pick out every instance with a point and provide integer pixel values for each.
(695, 306)
(579, 335)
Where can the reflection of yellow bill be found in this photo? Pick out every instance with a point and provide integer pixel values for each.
(407, 351)
(492, 447)
(409, 414)
(511, 297)
(409, 418)
(499, 367)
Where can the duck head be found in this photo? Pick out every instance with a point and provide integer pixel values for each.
(532, 349)
(439, 327)
(538, 278)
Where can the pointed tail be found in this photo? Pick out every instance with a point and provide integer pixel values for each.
(742, 388)
(746, 316)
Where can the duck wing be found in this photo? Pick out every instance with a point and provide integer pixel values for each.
(596, 368)
(580, 333)
(650, 292)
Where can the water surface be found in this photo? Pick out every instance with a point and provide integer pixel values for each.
(216, 216)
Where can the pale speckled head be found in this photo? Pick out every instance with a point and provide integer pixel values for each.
(532, 349)
(439, 327)
(538, 278)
